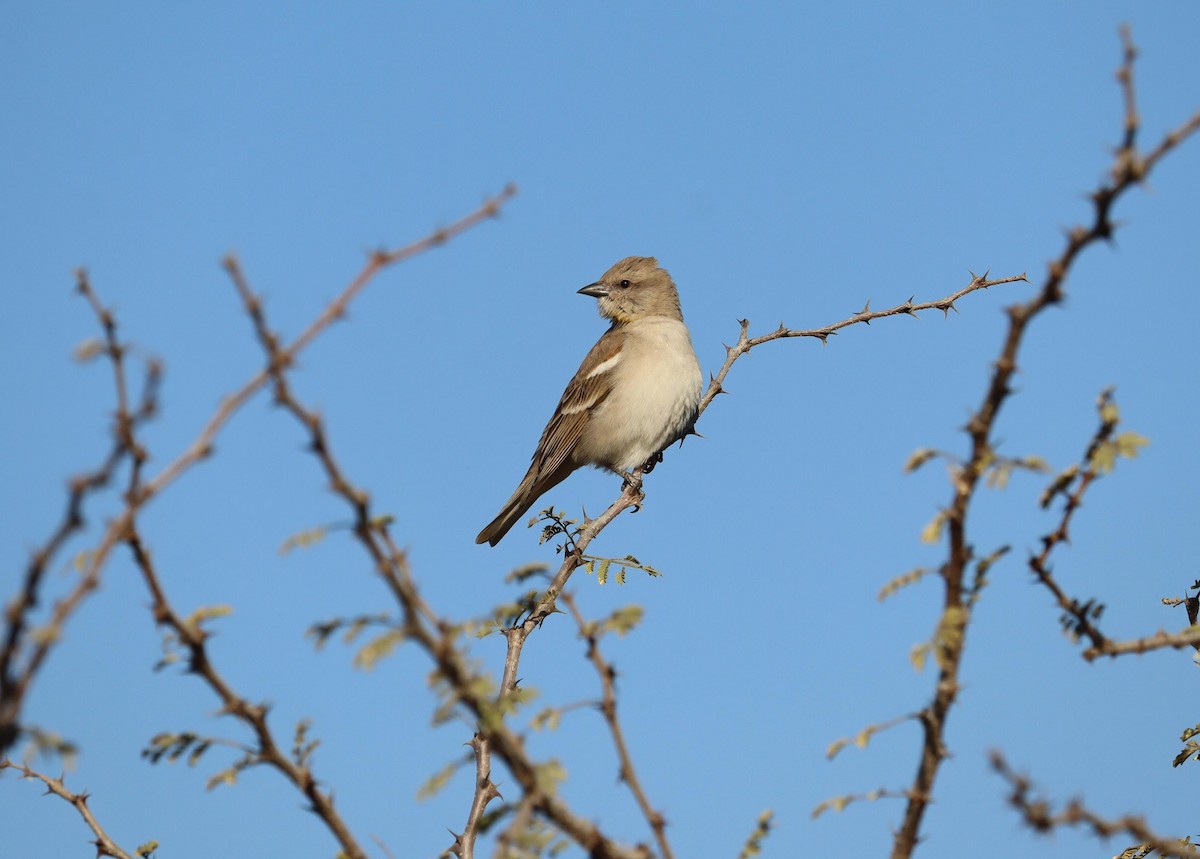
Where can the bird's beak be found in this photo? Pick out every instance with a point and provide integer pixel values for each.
(599, 289)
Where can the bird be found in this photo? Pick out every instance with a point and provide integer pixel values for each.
(635, 394)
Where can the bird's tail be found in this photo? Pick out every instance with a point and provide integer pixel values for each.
(518, 505)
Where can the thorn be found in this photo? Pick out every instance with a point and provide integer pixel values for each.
(866, 309)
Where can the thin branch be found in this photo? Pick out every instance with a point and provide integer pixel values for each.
(105, 846)
(14, 680)
(193, 637)
(1081, 614)
(14, 683)
(1040, 817)
(1189, 637)
(1129, 169)
(865, 316)
(423, 625)
(608, 707)
(485, 792)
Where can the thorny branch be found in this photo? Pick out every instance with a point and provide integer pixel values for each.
(608, 708)
(24, 650)
(435, 635)
(1039, 816)
(745, 343)
(33, 646)
(191, 634)
(1081, 615)
(1129, 168)
(105, 846)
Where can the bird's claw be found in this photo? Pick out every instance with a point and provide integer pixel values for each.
(649, 464)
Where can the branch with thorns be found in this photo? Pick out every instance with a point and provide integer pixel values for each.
(29, 647)
(1039, 815)
(24, 650)
(1130, 168)
(105, 846)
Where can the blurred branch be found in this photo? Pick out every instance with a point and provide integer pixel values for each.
(1039, 816)
(1189, 637)
(1130, 167)
(191, 634)
(19, 639)
(14, 681)
(589, 631)
(1080, 617)
(105, 846)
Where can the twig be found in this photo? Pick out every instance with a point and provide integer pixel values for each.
(608, 707)
(105, 846)
(485, 792)
(1081, 614)
(745, 343)
(1039, 816)
(1189, 637)
(14, 680)
(254, 716)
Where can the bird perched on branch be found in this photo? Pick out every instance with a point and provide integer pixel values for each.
(637, 391)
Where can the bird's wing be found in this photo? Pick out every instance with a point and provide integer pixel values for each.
(592, 383)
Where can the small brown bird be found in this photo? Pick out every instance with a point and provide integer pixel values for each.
(637, 391)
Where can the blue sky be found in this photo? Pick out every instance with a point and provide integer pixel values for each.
(784, 163)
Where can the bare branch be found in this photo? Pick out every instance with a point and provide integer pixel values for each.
(1189, 637)
(1040, 817)
(745, 343)
(608, 708)
(14, 682)
(105, 846)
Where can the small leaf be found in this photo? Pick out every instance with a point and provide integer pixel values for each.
(919, 654)
(932, 532)
(918, 458)
(379, 647)
(548, 719)
(901, 581)
(225, 776)
(1130, 443)
(304, 539)
(434, 784)
(835, 747)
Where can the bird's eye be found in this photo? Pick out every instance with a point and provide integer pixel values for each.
(625, 284)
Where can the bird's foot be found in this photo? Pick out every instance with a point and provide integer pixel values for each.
(649, 464)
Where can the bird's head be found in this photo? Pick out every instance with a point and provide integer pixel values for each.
(635, 288)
